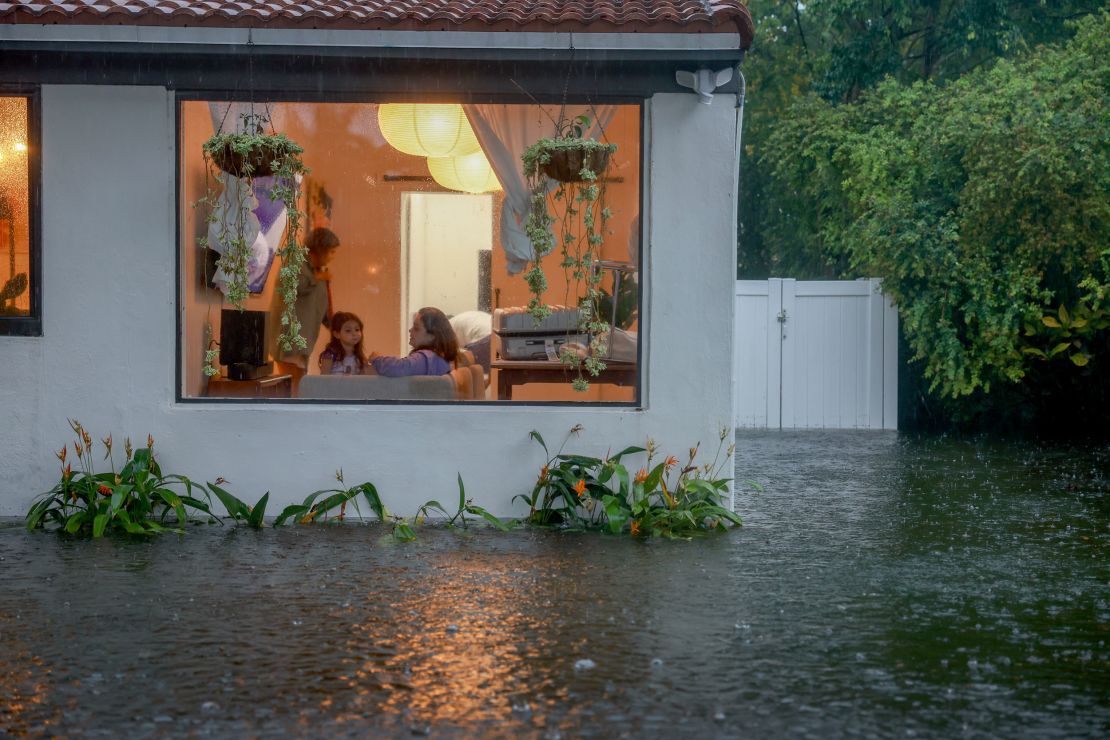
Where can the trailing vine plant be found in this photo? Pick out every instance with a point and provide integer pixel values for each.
(233, 160)
(566, 179)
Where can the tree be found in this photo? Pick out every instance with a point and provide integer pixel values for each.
(983, 205)
(839, 49)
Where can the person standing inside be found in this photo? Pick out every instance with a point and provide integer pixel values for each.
(313, 305)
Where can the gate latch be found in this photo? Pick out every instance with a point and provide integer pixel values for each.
(782, 324)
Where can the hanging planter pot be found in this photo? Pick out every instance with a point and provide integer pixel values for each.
(569, 160)
(254, 156)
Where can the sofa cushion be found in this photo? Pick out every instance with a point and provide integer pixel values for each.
(377, 387)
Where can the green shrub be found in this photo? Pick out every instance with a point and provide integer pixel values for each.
(663, 499)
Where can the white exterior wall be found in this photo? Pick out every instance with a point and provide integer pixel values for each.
(108, 348)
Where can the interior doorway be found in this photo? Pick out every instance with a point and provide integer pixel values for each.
(446, 240)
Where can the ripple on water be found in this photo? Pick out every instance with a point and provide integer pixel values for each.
(881, 581)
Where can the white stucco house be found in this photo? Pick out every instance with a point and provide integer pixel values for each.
(104, 106)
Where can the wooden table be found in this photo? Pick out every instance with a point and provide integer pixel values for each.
(271, 386)
(519, 372)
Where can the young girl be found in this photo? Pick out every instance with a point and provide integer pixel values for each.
(344, 354)
(434, 348)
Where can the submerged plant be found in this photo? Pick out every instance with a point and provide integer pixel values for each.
(314, 508)
(466, 506)
(665, 499)
(136, 499)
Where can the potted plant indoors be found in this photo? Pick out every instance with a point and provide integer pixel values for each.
(566, 179)
(234, 159)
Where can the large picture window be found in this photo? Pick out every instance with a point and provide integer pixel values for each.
(20, 312)
(419, 280)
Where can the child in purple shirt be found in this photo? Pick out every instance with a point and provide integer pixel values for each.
(434, 348)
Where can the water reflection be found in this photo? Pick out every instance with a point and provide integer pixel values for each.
(938, 587)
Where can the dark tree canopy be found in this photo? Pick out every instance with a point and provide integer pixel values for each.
(931, 145)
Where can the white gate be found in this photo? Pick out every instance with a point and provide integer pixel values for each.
(816, 354)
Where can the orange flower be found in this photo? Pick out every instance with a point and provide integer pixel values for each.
(580, 488)
(543, 474)
(67, 473)
(149, 441)
(670, 462)
(62, 455)
(641, 476)
(103, 490)
(635, 528)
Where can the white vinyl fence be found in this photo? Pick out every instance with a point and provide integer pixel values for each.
(815, 355)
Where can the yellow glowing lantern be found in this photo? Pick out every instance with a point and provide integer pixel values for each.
(470, 173)
(20, 146)
(427, 130)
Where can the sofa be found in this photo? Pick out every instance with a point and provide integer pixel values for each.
(464, 383)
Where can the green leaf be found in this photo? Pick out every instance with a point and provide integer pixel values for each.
(293, 510)
(1050, 322)
(257, 517)
(1063, 314)
(479, 511)
(39, 509)
(536, 436)
(130, 526)
(1080, 360)
(402, 532)
(117, 500)
(615, 513)
(627, 451)
(74, 522)
(174, 501)
(433, 504)
(100, 521)
(1058, 348)
(236, 509)
(371, 494)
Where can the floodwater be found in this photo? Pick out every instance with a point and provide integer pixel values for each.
(882, 585)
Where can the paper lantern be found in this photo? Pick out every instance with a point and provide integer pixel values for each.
(470, 173)
(427, 130)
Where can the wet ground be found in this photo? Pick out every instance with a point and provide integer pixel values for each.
(882, 585)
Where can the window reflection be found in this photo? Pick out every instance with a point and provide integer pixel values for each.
(404, 232)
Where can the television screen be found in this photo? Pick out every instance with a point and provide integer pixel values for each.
(242, 337)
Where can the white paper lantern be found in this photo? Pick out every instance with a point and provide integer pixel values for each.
(427, 130)
(470, 173)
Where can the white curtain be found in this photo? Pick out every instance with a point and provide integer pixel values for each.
(505, 131)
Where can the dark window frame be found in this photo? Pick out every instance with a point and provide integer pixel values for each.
(30, 325)
(264, 95)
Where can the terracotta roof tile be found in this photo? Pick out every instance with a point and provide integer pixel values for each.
(695, 16)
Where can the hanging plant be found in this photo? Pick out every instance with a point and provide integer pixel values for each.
(566, 179)
(234, 160)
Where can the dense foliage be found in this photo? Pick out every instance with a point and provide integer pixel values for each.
(664, 499)
(977, 192)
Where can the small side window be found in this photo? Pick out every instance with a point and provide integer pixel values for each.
(20, 275)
